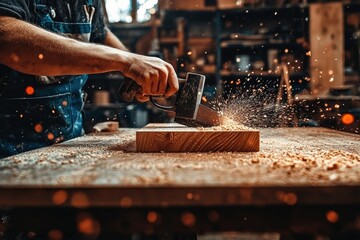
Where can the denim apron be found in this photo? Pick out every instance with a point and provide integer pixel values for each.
(37, 111)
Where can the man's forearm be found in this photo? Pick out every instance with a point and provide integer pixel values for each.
(30, 49)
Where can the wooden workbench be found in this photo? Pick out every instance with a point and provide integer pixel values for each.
(300, 174)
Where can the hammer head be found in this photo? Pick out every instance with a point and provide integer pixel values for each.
(189, 98)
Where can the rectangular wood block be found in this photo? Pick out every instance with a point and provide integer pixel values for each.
(173, 137)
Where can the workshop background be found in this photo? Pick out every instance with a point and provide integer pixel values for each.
(270, 63)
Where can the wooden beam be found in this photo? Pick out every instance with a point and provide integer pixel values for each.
(327, 47)
(179, 138)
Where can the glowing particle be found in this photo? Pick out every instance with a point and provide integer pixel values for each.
(79, 200)
(55, 234)
(189, 53)
(331, 79)
(336, 106)
(286, 50)
(290, 199)
(125, 202)
(29, 90)
(332, 216)
(188, 219)
(347, 118)
(331, 72)
(189, 196)
(204, 99)
(50, 136)
(152, 217)
(87, 225)
(41, 56)
(14, 57)
(38, 128)
(53, 111)
(308, 53)
(59, 197)
(64, 103)
(21, 115)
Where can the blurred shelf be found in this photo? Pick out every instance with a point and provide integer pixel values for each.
(170, 40)
(259, 73)
(199, 40)
(257, 44)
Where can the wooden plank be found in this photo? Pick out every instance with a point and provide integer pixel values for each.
(327, 46)
(177, 138)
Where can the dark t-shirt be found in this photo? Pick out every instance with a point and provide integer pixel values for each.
(71, 11)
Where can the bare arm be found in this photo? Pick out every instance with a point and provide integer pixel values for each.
(32, 50)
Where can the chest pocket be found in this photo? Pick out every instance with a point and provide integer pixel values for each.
(78, 30)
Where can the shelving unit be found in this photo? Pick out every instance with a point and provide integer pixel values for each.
(215, 41)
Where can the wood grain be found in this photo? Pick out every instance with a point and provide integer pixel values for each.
(178, 138)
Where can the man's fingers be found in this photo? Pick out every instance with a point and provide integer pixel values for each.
(154, 80)
(173, 82)
(141, 98)
(163, 82)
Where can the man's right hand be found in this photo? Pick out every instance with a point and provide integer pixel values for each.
(155, 76)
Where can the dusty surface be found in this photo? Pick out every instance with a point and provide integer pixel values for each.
(287, 157)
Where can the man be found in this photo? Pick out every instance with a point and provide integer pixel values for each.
(45, 48)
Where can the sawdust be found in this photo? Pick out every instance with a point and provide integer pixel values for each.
(291, 157)
(227, 127)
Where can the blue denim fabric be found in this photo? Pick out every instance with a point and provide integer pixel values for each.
(51, 113)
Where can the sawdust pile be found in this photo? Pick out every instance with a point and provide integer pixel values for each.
(297, 156)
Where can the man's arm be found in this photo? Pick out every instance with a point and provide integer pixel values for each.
(32, 50)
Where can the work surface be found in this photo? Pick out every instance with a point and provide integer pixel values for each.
(310, 164)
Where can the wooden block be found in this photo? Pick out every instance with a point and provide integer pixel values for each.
(179, 138)
(110, 126)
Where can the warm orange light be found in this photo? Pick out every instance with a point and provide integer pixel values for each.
(125, 202)
(38, 128)
(152, 217)
(347, 118)
(332, 216)
(204, 99)
(79, 200)
(41, 57)
(59, 197)
(290, 199)
(50, 136)
(88, 226)
(55, 235)
(29, 90)
(64, 103)
(188, 219)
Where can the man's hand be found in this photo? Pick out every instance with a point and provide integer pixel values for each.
(155, 76)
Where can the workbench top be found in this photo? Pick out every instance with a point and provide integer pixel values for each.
(289, 160)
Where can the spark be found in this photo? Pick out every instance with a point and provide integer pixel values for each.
(347, 118)
(50, 136)
(332, 216)
(29, 90)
